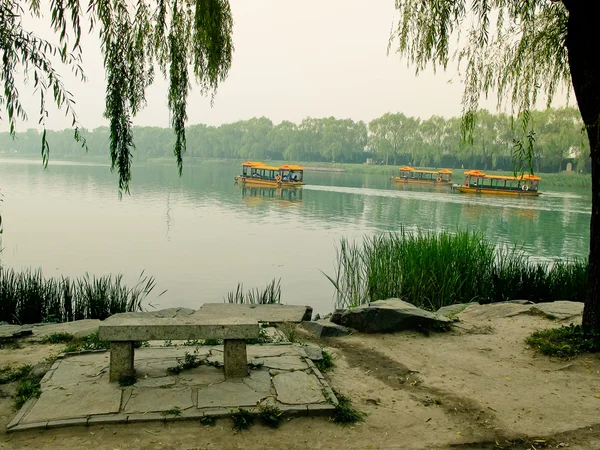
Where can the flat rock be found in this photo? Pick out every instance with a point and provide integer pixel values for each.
(12, 331)
(313, 353)
(298, 388)
(71, 372)
(494, 311)
(389, 315)
(261, 313)
(325, 328)
(559, 310)
(230, 394)
(147, 400)
(79, 329)
(76, 401)
(452, 310)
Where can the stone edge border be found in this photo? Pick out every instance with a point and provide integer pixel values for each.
(317, 409)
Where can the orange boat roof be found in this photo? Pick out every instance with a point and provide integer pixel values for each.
(445, 171)
(291, 167)
(406, 169)
(475, 173)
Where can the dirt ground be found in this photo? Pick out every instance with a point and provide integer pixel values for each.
(477, 387)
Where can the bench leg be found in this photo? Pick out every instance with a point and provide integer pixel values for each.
(121, 360)
(235, 358)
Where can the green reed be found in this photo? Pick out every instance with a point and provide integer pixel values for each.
(270, 295)
(431, 270)
(28, 297)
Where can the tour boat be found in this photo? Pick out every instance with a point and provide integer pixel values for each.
(258, 173)
(433, 177)
(477, 182)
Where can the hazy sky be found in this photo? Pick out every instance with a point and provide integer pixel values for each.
(292, 59)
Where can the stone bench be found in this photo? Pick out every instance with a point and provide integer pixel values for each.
(122, 332)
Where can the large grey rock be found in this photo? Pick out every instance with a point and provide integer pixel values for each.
(559, 310)
(324, 328)
(452, 310)
(174, 312)
(298, 388)
(389, 315)
(261, 313)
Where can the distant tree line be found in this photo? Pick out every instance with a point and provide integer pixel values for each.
(393, 139)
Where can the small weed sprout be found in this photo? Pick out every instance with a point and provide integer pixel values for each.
(176, 412)
(209, 421)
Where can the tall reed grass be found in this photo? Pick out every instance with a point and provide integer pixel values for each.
(431, 270)
(270, 295)
(28, 297)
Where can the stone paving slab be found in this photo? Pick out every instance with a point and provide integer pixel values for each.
(76, 390)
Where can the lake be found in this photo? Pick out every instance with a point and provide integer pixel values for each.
(199, 234)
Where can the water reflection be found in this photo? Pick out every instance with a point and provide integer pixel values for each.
(256, 195)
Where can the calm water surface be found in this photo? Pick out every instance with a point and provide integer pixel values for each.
(200, 235)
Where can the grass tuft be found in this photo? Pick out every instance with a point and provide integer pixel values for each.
(9, 373)
(176, 412)
(58, 338)
(90, 342)
(26, 389)
(28, 297)
(326, 363)
(270, 415)
(270, 295)
(564, 342)
(242, 419)
(344, 414)
(431, 270)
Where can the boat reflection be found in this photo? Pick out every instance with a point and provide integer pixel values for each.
(256, 195)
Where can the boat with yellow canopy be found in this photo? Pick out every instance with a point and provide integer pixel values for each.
(409, 174)
(477, 182)
(258, 173)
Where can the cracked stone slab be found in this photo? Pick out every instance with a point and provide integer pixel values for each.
(229, 394)
(173, 312)
(298, 388)
(148, 400)
(71, 372)
(75, 401)
(259, 380)
(283, 362)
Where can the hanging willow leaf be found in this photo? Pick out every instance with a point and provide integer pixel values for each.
(185, 38)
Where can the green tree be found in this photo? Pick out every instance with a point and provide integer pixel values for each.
(521, 51)
(392, 134)
(173, 36)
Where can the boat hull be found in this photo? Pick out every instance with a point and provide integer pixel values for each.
(487, 191)
(268, 183)
(426, 182)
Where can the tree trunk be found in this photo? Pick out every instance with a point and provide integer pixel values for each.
(581, 45)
